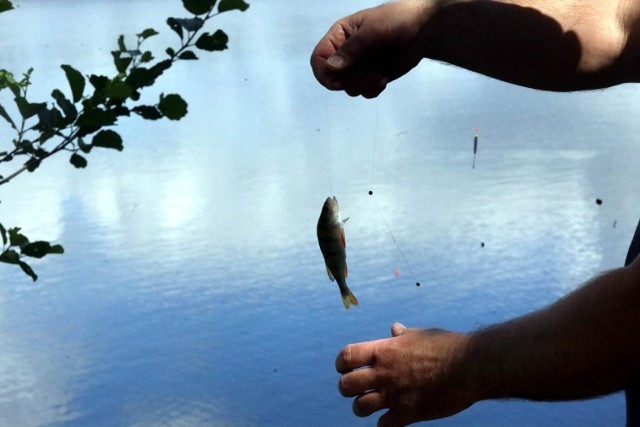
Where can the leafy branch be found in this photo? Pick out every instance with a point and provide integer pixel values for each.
(79, 123)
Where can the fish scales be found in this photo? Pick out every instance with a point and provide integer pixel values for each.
(332, 243)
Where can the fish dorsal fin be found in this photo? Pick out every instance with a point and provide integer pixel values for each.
(345, 220)
(330, 274)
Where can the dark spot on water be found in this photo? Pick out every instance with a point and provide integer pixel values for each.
(598, 201)
(482, 244)
(275, 370)
(417, 283)
(370, 193)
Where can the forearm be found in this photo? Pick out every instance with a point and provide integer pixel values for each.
(584, 345)
(544, 44)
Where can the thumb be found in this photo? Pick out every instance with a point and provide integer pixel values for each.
(351, 51)
(398, 329)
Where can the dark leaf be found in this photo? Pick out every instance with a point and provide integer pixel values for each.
(148, 112)
(76, 82)
(121, 63)
(175, 26)
(56, 249)
(171, 52)
(99, 82)
(36, 249)
(108, 139)
(212, 42)
(16, 238)
(149, 32)
(3, 233)
(28, 270)
(78, 161)
(160, 68)
(49, 118)
(41, 153)
(198, 7)
(192, 24)
(5, 5)
(6, 116)
(121, 44)
(96, 117)
(118, 89)
(10, 257)
(226, 5)
(83, 146)
(187, 54)
(32, 164)
(120, 110)
(26, 146)
(172, 106)
(7, 80)
(146, 57)
(141, 77)
(65, 105)
(28, 109)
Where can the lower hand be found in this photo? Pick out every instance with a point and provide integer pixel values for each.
(416, 375)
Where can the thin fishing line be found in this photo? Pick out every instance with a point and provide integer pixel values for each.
(404, 258)
(373, 162)
(329, 144)
(375, 144)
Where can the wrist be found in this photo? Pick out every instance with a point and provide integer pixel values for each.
(482, 366)
(471, 370)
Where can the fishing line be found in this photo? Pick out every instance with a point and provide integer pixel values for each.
(404, 258)
(375, 144)
(373, 161)
(326, 92)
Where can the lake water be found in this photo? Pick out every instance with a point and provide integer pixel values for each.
(192, 291)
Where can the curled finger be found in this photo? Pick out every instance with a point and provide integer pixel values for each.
(357, 382)
(368, 403)
(356, 356)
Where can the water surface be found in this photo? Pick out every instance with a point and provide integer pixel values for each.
(192, 291)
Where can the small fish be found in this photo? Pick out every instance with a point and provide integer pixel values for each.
(333, 247)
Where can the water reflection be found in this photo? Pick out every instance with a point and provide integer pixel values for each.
(193, 291)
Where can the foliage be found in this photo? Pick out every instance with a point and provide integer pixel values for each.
(75, 122)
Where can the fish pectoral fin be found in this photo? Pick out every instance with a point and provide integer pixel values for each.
(330, 274)
(344, 241)
(345, 220)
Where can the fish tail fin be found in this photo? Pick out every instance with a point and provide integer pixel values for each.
(348, 297)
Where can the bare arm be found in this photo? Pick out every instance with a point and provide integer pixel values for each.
(545, 44)
(586, 344)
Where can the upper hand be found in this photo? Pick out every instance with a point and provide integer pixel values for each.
(363, 52)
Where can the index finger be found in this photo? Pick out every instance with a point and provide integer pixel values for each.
(355, 356)
(326, 47)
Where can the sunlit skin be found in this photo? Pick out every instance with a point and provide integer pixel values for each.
(586, 344)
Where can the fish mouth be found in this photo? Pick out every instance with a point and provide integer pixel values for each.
(331, 201)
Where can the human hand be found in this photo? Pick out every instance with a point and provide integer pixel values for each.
(417, 375)
(363, 52)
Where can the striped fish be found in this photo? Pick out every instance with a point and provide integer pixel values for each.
(333, 247)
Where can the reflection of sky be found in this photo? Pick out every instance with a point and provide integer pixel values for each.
(191, 256)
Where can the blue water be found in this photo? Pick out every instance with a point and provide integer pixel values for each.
(192, 291)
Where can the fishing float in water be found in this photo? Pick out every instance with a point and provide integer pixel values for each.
(475, 146)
